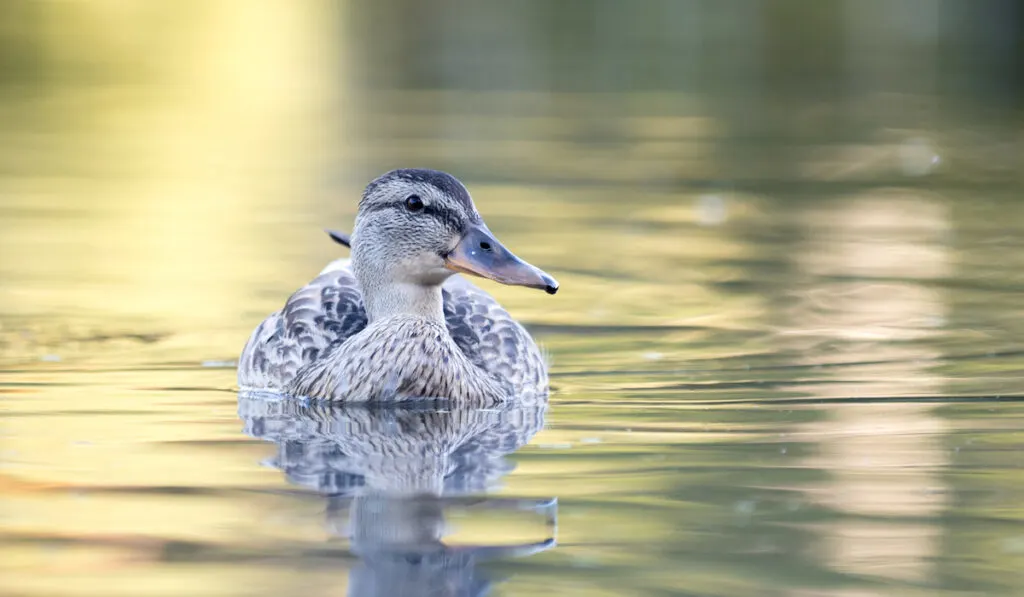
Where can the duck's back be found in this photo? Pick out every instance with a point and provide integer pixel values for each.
(319, 315)
(329, 310)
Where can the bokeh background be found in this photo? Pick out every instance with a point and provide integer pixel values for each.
(787, 349)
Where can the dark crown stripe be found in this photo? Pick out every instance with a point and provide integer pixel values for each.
(442, 181)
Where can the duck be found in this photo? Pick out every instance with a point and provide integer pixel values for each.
(398, 320)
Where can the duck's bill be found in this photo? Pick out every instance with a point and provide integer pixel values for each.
(480, 254)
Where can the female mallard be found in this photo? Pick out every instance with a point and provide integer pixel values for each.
(394, 322)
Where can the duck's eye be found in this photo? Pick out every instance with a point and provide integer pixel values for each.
(414, 203)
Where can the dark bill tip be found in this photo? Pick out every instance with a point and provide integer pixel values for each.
(551, 284)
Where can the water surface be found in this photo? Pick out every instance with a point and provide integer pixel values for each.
(786, 354)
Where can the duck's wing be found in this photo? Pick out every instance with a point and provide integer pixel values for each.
(319, 315)
(492, 339)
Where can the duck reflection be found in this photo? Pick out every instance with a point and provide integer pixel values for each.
(390, 474)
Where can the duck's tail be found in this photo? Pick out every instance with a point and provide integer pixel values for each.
(339, 237)
(344, 240)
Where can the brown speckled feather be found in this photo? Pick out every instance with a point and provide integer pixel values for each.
(319, 345)
(492, 339)
(322, 313)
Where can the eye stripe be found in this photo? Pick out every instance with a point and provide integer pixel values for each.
(448, 217)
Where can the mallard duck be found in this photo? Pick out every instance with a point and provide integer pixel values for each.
(397, 321)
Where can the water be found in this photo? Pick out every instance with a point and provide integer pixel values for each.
(786, 352)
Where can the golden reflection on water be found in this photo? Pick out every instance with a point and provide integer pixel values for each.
(884, 459)
(164, 164)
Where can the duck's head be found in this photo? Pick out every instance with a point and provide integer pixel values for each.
(419, 227)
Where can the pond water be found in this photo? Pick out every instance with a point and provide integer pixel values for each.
(784, 363)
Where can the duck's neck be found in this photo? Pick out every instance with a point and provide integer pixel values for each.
(388, 300)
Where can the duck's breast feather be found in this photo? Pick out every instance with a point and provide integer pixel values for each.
(329, 310)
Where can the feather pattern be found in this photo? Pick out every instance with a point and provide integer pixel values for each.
(319, 345)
